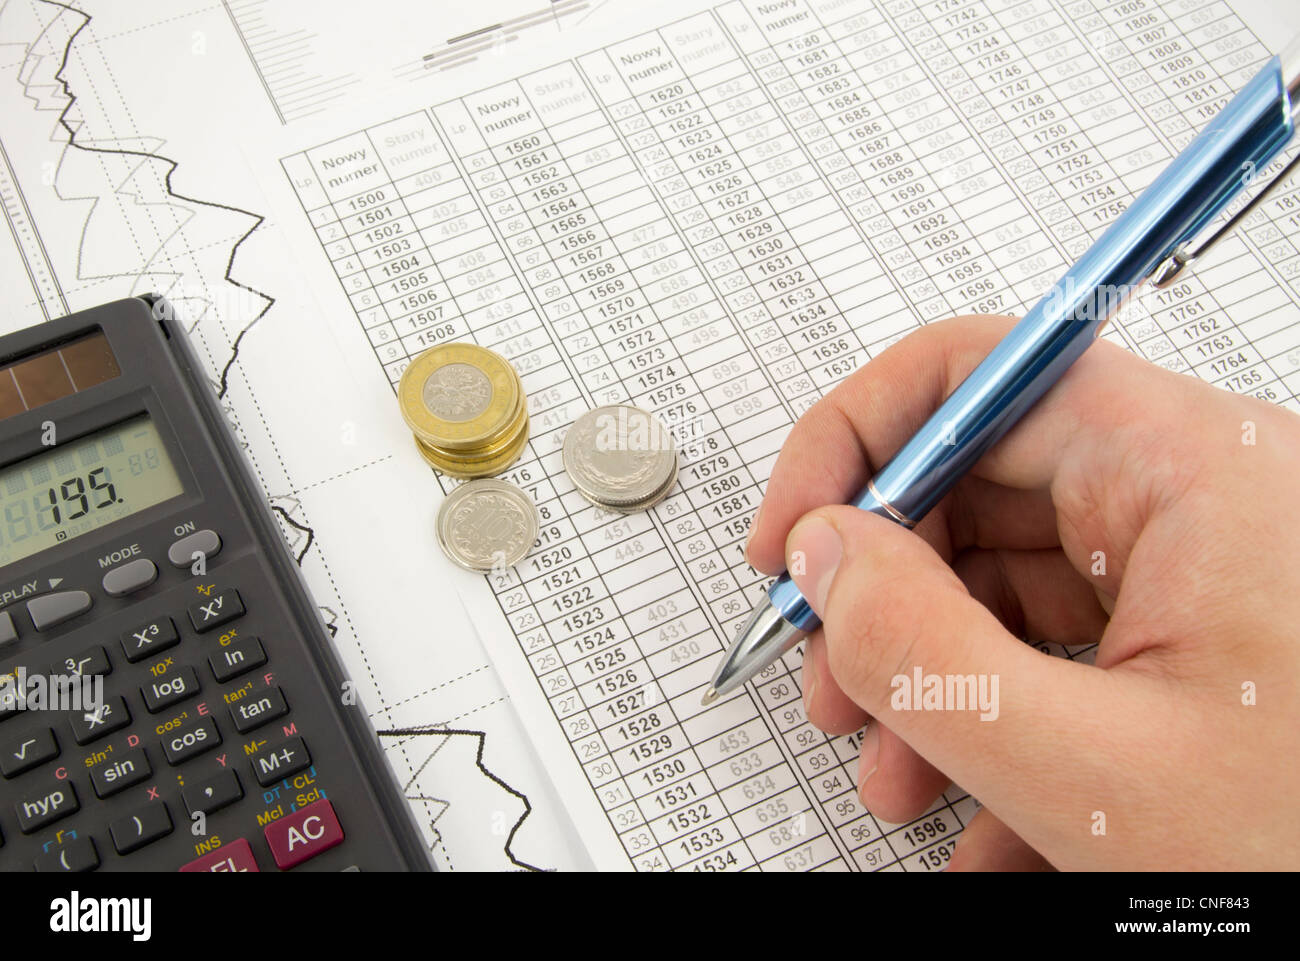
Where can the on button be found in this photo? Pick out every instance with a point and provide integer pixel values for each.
(181, 553)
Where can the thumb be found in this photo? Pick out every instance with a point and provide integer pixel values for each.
(907, 642)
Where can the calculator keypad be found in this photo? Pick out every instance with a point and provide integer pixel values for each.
(191, 726)
(167, 687)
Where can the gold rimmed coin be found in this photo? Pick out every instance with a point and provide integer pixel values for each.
(485, 462)
(482, 467)
(460, 397)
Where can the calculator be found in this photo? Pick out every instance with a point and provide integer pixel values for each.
(170, 699)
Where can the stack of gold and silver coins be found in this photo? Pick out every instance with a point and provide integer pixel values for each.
(621, 458)
(467, 408)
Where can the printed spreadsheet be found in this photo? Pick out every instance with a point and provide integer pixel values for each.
(718, 220)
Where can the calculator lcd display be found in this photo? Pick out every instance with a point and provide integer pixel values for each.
(82, 485)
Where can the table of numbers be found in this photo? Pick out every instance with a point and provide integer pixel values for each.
(717, 221)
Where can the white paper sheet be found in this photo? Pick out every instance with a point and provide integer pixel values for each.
(716, 214)
(122, 172)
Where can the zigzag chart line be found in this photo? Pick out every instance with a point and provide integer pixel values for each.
(258, 219)
(222, 385)
(482, 742)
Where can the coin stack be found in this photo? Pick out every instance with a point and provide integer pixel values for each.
(621, 458)
(467, 408)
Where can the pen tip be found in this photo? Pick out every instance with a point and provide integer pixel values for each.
(709, 697)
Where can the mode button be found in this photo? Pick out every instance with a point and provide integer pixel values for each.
(130, 577)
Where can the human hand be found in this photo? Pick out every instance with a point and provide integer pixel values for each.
(1132, 507)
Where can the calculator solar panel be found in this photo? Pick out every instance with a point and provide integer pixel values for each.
(169, 697)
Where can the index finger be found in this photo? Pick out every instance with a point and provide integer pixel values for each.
(837, 446)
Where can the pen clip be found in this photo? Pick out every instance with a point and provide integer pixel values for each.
(1171, 268)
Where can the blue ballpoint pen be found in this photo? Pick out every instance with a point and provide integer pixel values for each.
(1147, 242)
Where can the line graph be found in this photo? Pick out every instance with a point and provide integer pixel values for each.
(481, 737)
(129, 220)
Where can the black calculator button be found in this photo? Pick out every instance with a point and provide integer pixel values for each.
(74, 854)
(181, 553)
(163, 692)
(89, 663)
(190, 740)
(258, 709)
(142, 826)
(149, 638)
(8, 633)
(221, 790)
(120, 772)
(280, 760)
(110, 716)
(43, 805)
(129, 578)
(238, 656)
(216, 610)
(51, 610)
(29, 751)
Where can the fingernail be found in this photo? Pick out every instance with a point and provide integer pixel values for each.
(869, 755)
(753, 528)
(812, 555)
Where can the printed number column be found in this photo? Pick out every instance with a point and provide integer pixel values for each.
(844, 130)
(513, 164)
(741, 419)
(644, 86)
(638, 290)
(1192, 60)
(363, 214)
(560, 560)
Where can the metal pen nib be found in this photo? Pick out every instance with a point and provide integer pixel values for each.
(764, 637)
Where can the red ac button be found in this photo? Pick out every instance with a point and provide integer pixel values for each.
(303, 834)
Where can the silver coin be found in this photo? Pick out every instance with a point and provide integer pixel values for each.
(620, 457)
(643, 505)
(487, 525)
